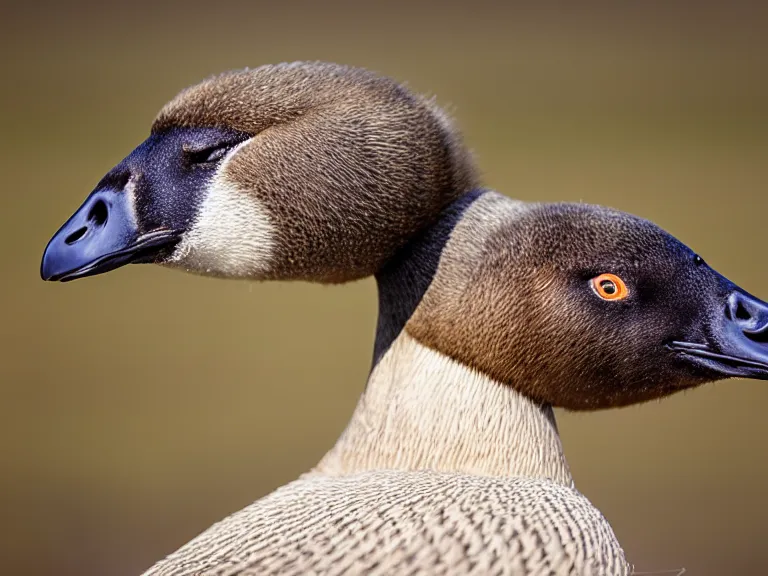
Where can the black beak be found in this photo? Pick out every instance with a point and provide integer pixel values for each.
(739, 344)
(102, 235)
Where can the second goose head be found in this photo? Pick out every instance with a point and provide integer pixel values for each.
(503, 309)
(585, 307)
(296, 171)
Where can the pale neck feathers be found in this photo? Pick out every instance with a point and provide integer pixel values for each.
(422, 410)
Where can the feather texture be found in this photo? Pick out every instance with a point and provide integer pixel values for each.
(401, 522)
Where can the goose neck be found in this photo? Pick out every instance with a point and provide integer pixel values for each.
(423, 410)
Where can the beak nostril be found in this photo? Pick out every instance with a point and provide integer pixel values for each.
(739, 311)
(99, 213)
(76, 235)
(742, 313)
(750, 315)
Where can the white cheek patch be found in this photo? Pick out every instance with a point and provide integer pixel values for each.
(130, 192)
(232, 234)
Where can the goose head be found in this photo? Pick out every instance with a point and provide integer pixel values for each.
(305, 171)
(586, 307)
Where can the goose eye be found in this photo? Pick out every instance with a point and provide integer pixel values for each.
(206, 155)
(610, 287)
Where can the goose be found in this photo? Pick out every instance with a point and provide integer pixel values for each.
(491, 313)
(302, 171)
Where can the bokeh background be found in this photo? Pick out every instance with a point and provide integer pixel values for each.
(141, 406)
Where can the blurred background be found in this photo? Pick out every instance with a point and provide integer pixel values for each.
(143, 405)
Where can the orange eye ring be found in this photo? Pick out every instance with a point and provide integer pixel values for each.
(610, 287)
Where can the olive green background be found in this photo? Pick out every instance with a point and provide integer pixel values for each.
(140, 406)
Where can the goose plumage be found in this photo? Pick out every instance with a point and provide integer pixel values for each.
(491, 312)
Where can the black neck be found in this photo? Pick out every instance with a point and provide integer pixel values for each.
(405, 278)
